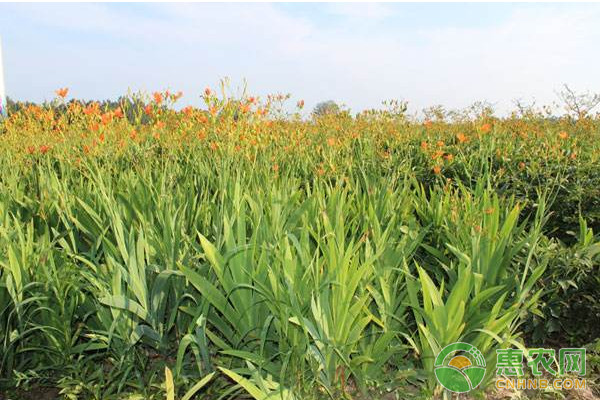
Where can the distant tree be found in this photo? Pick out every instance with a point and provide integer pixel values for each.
(13, 106)
(435, 113)
(326, 108)
(396, 108)
(133, 106)
(479, 110)
(578, 105)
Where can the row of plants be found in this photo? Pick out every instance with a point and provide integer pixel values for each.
(234, 253)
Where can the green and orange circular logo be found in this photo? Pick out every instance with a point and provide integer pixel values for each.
(460, 367)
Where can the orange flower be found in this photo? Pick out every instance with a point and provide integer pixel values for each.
(119, 113)
(424, 145)
(207, 92)
(187, 111)
(251, 100)
(521, 165)
(437, 154)
(461, 137)
(300, 104)
(106, 118)
(276, 168)
(101, 138)
(449, 157)
(214, 146)
(44, 149)
(245, 108)
(331, 141)
(563, 135)
(94, 127)
(437, 170)
(573, 155)
(428, 124)
(440, 143)
(485, 128)
(31, 149)
(320, 171)
(62, 93)
(133, 134)
(91, 109)
(160, 125)
(213, 110)
(158, 97)
(489, 210)
(148, 110)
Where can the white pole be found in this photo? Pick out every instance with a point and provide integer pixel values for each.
(3, 110)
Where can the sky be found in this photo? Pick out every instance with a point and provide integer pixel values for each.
(357, 54)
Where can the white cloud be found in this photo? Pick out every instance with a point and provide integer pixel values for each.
(104, 49)
(361, 11)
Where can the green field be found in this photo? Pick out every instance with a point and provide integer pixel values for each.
(149, 253)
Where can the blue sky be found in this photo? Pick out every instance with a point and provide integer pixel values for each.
(356, 54)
